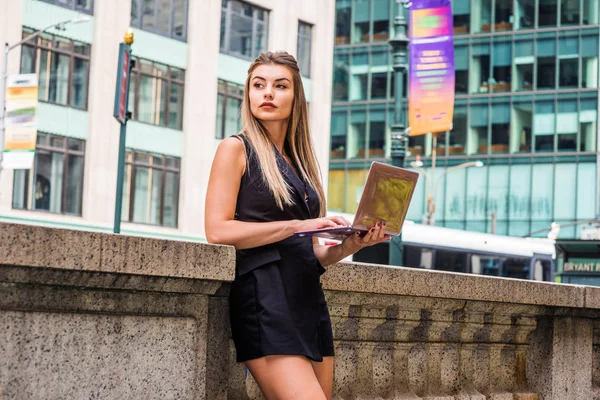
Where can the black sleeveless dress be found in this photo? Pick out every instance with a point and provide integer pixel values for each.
(276, 304)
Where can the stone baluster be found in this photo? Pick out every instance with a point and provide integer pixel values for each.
(525, 326)
(427, 357)
(470, 365)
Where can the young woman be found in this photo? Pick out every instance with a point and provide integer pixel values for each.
(264, 186)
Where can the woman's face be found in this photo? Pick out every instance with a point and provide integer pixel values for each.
(271, 92)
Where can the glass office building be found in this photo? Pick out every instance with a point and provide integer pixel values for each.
(526, 106)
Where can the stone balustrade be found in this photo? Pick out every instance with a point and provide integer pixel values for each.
(89, 315)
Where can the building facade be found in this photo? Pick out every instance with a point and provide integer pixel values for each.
(526, 106)
(185, 94)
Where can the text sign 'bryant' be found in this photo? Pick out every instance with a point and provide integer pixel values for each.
(582, 267)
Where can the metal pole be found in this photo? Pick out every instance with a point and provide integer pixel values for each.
(121, 158)
(120, 173)
(399, 44)
(433, 193)
(3, 101)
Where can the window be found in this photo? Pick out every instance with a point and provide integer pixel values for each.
(164, 17)
(546, 64)
(62, 65)
(569, 12)
(547, 10)
(525, 14)
(480, 78)
(360, 21)
(151, 189)
(339, 134)
(156, 94)
(544, 126)
(461, 60)
(461, 11)
(521, 125)
(342, 21)
(485, 16)
(341, 75)
(524, 61)
(55, 183)
(457, 138)
(304, 47)
(501, 69)
(229, 102)
(500, 116)
(244, 29)
(381, 20)
(478, 131)
(86, 6)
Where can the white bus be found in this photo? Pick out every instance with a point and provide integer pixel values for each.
(433, 247)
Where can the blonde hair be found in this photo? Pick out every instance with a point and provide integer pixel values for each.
(298, 138)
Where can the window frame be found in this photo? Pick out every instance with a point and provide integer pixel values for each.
(72, 6)
(137, 23)
(223, 91)
(305, 38)
(226, 48)
(137, 70)
(66, 153)
(37, 45)
(131, 162)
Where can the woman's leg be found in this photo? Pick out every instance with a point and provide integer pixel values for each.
(286, 378)
(324, 372)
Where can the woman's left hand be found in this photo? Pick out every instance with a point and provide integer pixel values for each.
(375, 235)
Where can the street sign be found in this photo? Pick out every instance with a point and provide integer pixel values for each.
(123, 73)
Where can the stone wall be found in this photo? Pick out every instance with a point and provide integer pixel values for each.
(97, 316)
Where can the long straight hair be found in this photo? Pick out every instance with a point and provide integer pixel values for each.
(298, 138)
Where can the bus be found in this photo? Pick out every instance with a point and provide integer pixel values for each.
(454, 250)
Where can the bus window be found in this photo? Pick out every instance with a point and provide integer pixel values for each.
(377, 254)
(516, 268)
(485, 265)
(412, 257)
(450, 261)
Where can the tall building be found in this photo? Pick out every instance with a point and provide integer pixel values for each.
(526, 106)
(191, 59)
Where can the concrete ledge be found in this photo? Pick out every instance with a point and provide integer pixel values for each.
(369, 278)
(41, 247)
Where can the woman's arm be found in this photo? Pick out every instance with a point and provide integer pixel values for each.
(328, 255)
(221, 197)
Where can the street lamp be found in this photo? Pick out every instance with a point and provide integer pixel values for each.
(399, 139)
(7, 48)
(418, 165)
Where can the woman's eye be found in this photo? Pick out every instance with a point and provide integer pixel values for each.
(258, 85)
(281, 86)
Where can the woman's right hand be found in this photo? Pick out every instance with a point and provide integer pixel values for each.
(319, 223)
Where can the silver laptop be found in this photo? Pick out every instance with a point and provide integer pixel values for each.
(386, 197)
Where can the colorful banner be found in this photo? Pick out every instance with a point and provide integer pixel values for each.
(21, 121)
(431, 71)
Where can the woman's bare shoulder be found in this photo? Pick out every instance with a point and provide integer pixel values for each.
(231, 153)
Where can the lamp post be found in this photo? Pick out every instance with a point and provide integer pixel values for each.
(122, 115)
(399, 139)
(7, 48)
(418, 165)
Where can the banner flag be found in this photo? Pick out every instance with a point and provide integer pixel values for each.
(431, 70)
(21, 121)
